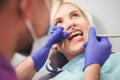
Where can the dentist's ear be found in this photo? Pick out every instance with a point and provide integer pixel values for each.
(25, 6)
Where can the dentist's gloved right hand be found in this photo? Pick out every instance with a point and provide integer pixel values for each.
(96, 51)
(40, 57)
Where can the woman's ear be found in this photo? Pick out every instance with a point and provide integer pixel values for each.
(25, 6)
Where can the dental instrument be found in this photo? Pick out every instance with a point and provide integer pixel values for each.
(109, 35)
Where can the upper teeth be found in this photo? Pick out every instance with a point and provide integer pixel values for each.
(80, 33)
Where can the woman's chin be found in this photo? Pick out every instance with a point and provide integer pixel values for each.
(77, 51)
(77, 48)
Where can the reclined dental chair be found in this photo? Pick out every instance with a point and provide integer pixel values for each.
(57, 61)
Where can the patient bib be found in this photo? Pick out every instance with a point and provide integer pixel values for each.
(73, 69)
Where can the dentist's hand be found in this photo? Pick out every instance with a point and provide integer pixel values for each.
(40, 57)
(96, 51)
(57, 35)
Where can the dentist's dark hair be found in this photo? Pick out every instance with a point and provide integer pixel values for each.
(2, 3)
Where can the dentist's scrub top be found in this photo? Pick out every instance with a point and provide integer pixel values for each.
(73, 69)
(6, 70)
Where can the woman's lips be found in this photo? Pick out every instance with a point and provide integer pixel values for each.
(75, 33)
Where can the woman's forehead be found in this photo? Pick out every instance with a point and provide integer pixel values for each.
(65, 8)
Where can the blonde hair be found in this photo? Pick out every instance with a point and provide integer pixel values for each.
(58, 3)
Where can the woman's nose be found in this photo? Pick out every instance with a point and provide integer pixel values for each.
(69, 24)
(72, 28)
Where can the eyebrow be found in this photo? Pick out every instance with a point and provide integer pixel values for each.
(74, 11)
(69, 13)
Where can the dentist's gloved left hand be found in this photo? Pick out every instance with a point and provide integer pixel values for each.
(96, 51)
(40, 57)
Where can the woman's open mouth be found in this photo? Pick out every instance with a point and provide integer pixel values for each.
(75, 33)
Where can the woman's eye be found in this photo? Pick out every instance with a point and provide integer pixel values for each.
(75, 15)
(58, 23)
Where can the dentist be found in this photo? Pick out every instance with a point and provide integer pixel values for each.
(21, 23)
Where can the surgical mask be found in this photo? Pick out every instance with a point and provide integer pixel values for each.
(29, 24)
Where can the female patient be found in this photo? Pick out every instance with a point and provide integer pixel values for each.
(76, 24)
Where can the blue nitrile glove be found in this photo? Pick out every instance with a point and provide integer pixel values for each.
(96, 51)
(39, 58)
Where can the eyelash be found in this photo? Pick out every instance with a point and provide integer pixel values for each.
(75, 15)
(58, 22)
